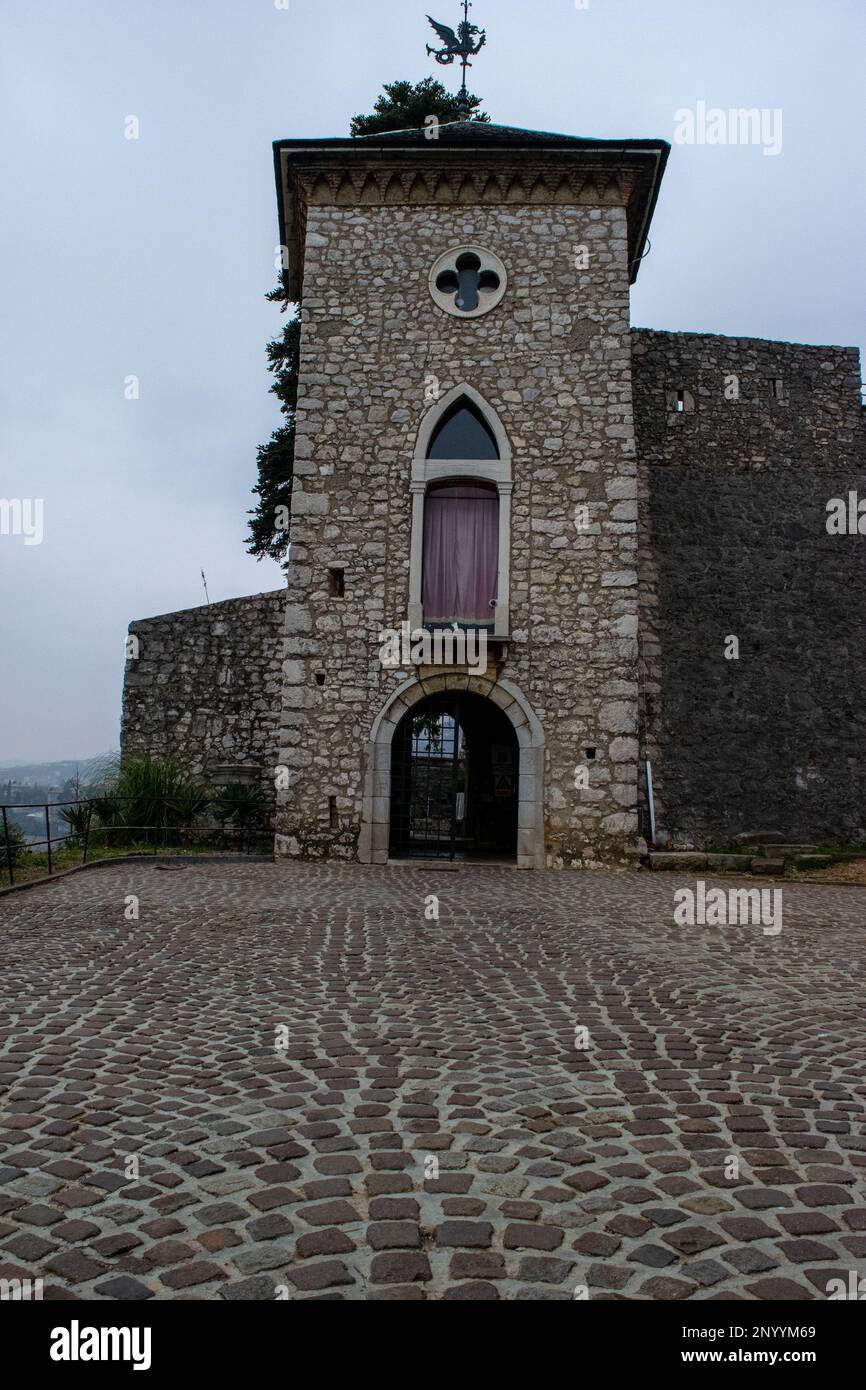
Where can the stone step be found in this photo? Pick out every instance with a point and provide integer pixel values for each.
(729, 863)
(760, 837)
(677, 859)
(776, 867)
(690, 860)
(789, 850)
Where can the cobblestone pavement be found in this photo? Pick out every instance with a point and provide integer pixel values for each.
(418, 1045)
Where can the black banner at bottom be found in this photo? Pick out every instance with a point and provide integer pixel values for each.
(166, 1337)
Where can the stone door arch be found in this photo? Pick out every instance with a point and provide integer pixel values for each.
(373, 843)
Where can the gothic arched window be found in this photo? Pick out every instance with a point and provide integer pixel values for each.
(461, 524)
(463, 433)
(461, 553)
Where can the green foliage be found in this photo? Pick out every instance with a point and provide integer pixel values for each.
(100, 774)
(275, 460)
(75, 818)
(12, 845)
(151, 800)
(239, 803)
(405, 106)
(139, 805)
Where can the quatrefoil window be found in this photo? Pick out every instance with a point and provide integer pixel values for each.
(468, 281)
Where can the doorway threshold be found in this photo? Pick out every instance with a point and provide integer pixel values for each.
(450, 865)
(446, 865)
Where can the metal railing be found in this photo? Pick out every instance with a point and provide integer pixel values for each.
(159, 836)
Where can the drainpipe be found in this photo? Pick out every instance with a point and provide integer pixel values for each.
(652, 812)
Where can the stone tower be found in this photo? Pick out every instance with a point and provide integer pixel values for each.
(465, 353)
(638, 524)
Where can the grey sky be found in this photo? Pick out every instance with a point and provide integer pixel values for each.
(151, 256)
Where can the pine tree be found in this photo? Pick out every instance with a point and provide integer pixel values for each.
(406, 107)
(276, 458)
(401, 107)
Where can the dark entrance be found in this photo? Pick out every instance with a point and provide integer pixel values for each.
(454, 761)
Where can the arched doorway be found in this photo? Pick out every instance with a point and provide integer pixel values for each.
(375, 838)
(454, 780)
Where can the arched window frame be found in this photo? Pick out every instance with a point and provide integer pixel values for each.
(426, 471)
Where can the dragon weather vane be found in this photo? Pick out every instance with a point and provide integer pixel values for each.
(459, 45)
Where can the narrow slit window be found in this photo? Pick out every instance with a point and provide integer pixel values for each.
(336, 583)
(682, 401)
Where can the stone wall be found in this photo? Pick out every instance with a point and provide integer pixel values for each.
(733, 543)
(205, 686)
(553, 360)
(741, 444)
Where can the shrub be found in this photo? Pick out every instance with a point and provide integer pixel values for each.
(12, 846)
(75, 818)
(151, 800)
(240, 804)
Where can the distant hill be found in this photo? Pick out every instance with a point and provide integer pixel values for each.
(49, 774)
(24, 784)
(45, 774)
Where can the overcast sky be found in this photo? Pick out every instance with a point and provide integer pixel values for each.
(151, 258)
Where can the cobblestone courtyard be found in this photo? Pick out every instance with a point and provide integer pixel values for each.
(416, 1043)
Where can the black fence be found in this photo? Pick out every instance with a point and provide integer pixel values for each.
(93, 821)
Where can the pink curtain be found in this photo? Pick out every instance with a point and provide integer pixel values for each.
(461, 552)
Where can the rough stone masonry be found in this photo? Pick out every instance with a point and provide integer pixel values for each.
(667, 492)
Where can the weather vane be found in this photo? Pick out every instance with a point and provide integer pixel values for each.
(459, 45)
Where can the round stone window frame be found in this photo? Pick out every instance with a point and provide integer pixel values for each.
(489, 261)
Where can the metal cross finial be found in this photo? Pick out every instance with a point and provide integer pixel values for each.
(459, 45)
(464, 95)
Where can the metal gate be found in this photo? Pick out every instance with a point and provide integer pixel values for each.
(453, 780)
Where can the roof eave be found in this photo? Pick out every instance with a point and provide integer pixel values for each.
(659, 149)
